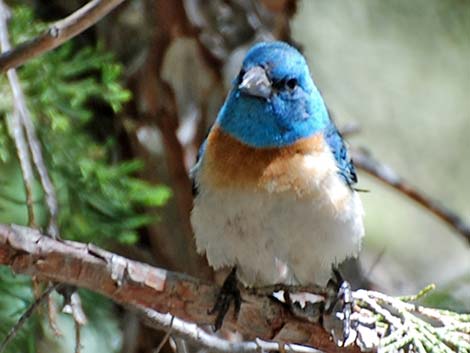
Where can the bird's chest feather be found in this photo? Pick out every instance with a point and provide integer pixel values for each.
(281, 215)
(300, 168)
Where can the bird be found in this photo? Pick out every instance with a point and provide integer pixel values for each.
(274, 180)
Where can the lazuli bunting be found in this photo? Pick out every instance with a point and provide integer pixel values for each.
(274, 180)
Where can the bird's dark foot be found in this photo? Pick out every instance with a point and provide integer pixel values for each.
(228, 293)
(338, 308)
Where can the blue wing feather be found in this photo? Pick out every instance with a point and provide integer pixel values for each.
(341, 154)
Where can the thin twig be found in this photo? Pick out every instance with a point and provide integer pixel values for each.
(351, 128)
(24, 115)
(73, 306)
(26, 315)
(15, 126)
(378, 258)
(367, 163)
(58, 33)
(166, 337)
(52, 316)
(78, 341)
(17, 135)
(194, 333)
(48, 187)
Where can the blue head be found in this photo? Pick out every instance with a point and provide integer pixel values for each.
(274, 101)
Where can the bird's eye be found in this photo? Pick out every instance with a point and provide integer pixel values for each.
(291, 83)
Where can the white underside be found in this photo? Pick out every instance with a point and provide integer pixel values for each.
(279, 237)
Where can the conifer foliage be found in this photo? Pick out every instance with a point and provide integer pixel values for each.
(101, 200)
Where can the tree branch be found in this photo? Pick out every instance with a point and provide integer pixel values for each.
(58, 33)
(161, 292)
(364, 161)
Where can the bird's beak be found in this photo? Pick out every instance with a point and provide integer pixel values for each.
(256, 83)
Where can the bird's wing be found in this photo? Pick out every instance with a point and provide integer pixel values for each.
(341, 154)
(194, 169)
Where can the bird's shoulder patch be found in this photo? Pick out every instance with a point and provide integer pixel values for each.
(300, 167)
(338, 147)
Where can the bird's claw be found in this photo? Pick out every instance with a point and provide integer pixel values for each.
(228, 293)
(338, 309)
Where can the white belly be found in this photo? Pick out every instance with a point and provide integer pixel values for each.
(279, 237)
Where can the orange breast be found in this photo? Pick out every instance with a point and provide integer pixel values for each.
(230, 163)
